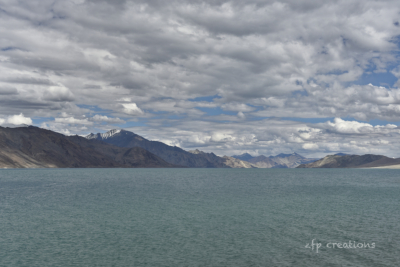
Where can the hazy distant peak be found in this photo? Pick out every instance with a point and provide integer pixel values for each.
(282, 155)
(196, 151)
(91, 136)
(341, 154)
(244, 156)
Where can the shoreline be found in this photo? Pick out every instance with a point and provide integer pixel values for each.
(388, 167)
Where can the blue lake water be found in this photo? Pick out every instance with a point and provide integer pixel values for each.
(199, 217)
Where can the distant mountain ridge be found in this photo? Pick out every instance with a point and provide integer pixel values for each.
(352, 161)
(237, 163)
(279, 161)
(244, 156)
(171, 154)
(33, 147)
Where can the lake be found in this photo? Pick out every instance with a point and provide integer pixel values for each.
(199, 217)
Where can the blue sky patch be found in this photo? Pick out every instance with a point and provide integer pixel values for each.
(204, 98)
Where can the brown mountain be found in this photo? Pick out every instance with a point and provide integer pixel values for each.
(279, 161)
(237, 163)
(264, 162)
(171, 154)
(33, 147)
(351, 161)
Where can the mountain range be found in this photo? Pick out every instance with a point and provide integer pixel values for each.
(171, 154)
(33, 147)
(279, 161)
(352, 161)
(197, 158)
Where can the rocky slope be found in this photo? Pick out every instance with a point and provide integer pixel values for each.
(32, 147)
(237, 163)
(245, 157)
(171, 154)
(351, 161)
(280, 161)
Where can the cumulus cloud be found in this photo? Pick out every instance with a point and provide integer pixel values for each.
(310, 146)
(342, 126)
(72, 120)
(17, 120)
(355, 127)
(241, 115)
(100, 118)
(226, 66)
(274, 136)
(363, 102)
(132, 109)
(58, 93)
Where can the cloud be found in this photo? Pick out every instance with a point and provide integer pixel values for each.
(100, 118)
(29, 80)
(347, 127)
(58, 93)
(274, 136)
(310, 146)
(132, 109)
(240, 107)
(71, 120)
(8, 91)
(363, 102)
(212, 70)
(241, 115)
(17, 120)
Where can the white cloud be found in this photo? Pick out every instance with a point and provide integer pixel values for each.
(132, 109)
(219, 137)
(342, 126)
(310, 146)
(101, 118)
(272, 136)
(237, 107)
(355, 127)
(241, 115)
(17, 120)
(72, 120)
(220, 66)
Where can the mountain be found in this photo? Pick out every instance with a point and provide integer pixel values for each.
(264, 162)
(237, 163)
(291, 160)
(245, 157)
(341, 154)
(278, 161)
(351, 161)
(171, 154)
(228, 161)
(33, 147)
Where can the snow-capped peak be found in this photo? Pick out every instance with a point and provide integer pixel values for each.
(91, 136)
(109, 133)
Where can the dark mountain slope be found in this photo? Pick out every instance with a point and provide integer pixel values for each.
(171, 154)
(32, 147)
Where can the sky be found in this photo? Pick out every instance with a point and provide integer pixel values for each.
(229, 77)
